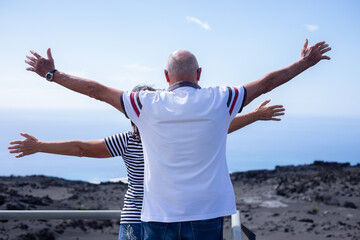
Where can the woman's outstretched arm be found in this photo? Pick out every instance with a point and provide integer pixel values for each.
(31, 145)
(262, 112)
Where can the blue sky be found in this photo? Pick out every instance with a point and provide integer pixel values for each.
(124, 43)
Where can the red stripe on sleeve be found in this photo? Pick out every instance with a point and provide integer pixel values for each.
(235, 98)
(134, 104)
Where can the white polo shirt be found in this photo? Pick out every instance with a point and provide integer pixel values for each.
(184, 131)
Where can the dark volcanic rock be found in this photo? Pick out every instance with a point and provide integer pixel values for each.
(350, 205)
(15, 206)
(44, 234)
(2, 199)
(44, 201)
(314, 201)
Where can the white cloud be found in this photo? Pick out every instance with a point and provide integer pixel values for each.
(204, 25)
(311, 28)
(138, 67)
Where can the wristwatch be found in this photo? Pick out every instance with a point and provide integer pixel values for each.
(49, 76)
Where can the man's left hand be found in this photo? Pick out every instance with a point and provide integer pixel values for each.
(39, 64)
(315, 53)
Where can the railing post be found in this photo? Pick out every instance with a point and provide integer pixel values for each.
(236, 226)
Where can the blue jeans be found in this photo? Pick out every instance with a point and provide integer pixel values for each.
(130, 231)
(211, 229)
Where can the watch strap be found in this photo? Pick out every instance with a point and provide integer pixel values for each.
(49, 76)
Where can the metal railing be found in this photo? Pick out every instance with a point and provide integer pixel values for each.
(91, 214)
(59, 214)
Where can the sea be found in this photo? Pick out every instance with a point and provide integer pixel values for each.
(295, 140)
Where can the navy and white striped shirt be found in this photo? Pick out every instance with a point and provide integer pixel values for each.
(130, 149)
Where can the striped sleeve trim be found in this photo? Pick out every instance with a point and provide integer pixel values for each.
(236, 95)
(109, 147)
(133, 103)
(230, 96)
(116, 144)
(243, 100)
(236, 99)
(122, 104)
(138, 100)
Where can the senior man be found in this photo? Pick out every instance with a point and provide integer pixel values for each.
(187, 188)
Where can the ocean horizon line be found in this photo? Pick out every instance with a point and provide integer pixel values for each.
(125, 179)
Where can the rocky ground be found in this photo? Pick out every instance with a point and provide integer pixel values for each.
(317, 201)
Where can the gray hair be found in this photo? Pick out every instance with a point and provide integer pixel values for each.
(139, 88)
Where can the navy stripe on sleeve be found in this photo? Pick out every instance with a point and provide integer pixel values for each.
(122, 103)
(243, 101)
(138, 100)
(230, 96)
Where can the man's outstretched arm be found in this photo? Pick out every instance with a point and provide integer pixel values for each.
(262, 112)
(30, 145)
(93, 89)
(309, 57)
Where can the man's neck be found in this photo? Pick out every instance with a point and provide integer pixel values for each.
(179, 84)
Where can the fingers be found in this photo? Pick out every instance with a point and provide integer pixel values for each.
(20, 155)
(14, 147)
(31, 63)
(15, 151)
(16, 142)
(35, 54)
(27, 135)
(276, 106)
(31, 58)
(323, 46)
(49, 54)
(322, 51)
(325, 57)
(274, 115)
(306, 43)
(316, 45)
(265, 102)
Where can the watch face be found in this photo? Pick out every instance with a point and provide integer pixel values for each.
(48, 76)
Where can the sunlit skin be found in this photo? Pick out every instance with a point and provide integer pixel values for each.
(309, 57)
(97, 148)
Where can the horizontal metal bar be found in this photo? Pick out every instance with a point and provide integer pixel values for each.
(59, 214)
(90, 214)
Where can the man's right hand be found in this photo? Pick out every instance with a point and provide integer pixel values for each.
(39, 64)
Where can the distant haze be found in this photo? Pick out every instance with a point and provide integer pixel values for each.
(125, 43)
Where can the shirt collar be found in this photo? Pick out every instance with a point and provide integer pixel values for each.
(183, 84)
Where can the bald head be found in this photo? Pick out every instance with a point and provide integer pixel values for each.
(182, 66)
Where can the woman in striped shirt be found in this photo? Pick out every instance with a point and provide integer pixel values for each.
(128, 146)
